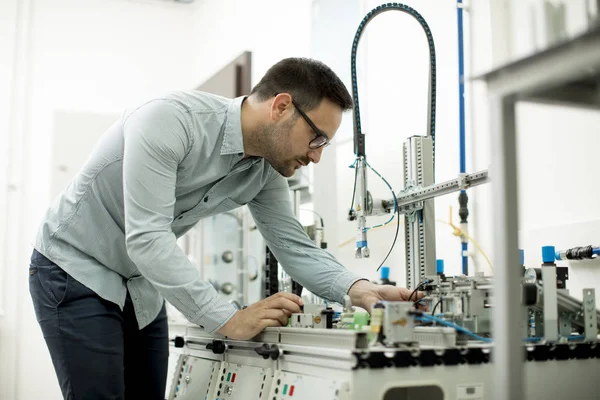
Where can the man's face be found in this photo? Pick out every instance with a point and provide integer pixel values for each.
(287, 139)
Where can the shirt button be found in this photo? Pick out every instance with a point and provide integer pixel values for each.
(206, 199)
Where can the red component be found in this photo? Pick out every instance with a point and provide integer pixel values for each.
(233, 378)
(190, 371)
(292, 390)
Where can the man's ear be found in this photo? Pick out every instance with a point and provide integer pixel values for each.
(281, 105)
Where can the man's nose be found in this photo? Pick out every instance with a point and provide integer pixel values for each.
(315, 155)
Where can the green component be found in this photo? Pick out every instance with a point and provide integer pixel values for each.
(361, 319)
(228, 377)
(285, 389)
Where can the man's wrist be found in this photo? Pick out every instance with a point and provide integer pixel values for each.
(363, 294)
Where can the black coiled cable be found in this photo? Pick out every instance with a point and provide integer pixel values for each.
(432, 84)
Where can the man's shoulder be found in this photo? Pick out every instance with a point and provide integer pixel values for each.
(195, 101)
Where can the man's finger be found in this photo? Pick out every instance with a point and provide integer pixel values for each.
(418, 295)
(264, 323)
(282, 303)
(279, 315)
(287, 312)
(291, 296)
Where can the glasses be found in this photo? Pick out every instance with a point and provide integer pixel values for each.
(320, 140)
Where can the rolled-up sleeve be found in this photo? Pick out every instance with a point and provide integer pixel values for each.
(314, 268)
(157, 138)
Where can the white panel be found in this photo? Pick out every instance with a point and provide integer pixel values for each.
(288, 386)
(241, 382)
(197, 378)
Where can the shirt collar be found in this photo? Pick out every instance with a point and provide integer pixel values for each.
(233, 142)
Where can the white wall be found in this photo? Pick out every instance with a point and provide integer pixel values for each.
(269, 29)
(98, 56)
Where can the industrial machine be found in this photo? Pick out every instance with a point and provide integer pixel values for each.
(401, 352)
(440, 346)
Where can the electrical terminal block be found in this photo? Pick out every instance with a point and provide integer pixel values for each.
(314, 316)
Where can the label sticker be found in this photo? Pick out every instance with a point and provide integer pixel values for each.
(469, 391)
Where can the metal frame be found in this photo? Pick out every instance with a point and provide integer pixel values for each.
(406, 201)
(550, 304)
(419, 226)
(590, 314)
(538, 76)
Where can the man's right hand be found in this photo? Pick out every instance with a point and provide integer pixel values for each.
(272, 311)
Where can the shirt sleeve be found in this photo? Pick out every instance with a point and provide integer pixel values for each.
(313, 267)
(157, 138)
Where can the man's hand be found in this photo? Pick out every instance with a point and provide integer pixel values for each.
(365, 294)
(272, 311)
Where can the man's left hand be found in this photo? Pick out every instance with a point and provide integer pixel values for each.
(365, 294)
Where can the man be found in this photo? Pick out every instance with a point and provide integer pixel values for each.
(106, 253)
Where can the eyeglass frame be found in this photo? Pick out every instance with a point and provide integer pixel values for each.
(318, 132)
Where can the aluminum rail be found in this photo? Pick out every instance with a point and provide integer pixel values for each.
(405, 201)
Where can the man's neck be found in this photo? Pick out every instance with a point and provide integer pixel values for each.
(250, 123)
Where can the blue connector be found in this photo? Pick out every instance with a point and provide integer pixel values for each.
(385, 273)
(548, 254)
(439, 267)
(521, 257)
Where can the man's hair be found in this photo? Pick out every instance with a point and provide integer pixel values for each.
(308, 81)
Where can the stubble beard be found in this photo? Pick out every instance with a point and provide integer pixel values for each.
(275, 144)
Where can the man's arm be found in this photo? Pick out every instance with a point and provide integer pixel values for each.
(157, 139)
(314, 268)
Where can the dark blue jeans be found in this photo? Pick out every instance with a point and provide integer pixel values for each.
(97, 350)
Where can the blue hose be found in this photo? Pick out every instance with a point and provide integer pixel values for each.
(461, 89)
(465, 259)
(430, 318)
(461, 117)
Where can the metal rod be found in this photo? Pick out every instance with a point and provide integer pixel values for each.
(439, 189)
(508, 352)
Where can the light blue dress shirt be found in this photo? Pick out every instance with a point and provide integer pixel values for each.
(152, 176)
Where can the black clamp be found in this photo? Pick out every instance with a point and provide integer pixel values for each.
(217, 346)
(267, 351)
(179, 341)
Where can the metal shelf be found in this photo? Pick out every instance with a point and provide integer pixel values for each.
(568, 73)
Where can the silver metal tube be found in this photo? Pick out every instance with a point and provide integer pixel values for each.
(508, 352)
(439, 189)
(361, 194)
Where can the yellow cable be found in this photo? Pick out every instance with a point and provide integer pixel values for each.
(460, 232)
(457, 232)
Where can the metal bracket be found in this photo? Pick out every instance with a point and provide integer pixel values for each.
(462, 181)
(550, 304)
(589, 314)
(411, 209)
